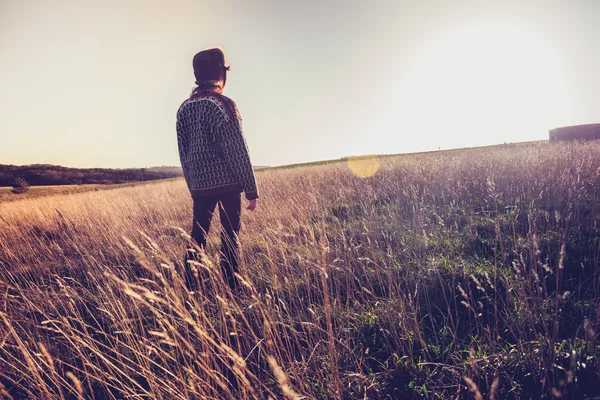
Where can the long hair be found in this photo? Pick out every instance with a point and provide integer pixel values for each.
(208, 86)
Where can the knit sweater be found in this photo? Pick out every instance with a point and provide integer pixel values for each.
(212, 149)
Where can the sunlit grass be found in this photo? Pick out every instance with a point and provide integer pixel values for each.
(472, 271)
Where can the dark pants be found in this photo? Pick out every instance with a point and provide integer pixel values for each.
(230, 208)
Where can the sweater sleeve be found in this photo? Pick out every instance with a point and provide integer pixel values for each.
(230, 139)
(182, 142)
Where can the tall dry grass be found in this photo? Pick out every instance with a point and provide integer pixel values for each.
(452, 274)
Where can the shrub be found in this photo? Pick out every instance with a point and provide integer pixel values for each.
(20, 185)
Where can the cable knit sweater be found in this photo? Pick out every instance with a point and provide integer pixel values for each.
(212, 149)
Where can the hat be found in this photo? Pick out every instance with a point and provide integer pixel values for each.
(208, 65)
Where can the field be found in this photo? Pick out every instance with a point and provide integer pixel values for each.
(458, 274)
(39, 191)
(42, 191)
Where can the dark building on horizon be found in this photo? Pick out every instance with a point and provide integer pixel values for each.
(576, 132)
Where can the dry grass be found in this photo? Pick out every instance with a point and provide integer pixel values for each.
(39, 191)
(34, 192)
(452, 274)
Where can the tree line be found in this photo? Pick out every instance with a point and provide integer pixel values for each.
(45, 175)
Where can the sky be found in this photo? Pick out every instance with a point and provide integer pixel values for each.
(85, 83)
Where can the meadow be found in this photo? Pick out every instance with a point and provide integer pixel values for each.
(459, 274)
(6, 193)
(40, 191)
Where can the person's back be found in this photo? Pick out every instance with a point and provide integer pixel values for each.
(215, 160)
(212, 149)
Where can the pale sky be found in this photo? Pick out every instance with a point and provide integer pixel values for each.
(97, 83)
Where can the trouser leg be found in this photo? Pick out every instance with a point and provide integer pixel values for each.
(230, 208)
(204, 207)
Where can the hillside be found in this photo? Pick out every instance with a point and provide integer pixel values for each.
(460, 274)
(44, 174)
(52, 175)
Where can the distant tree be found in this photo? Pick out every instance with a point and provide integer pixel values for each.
(20, 185)
(6, 179)
(42, 174)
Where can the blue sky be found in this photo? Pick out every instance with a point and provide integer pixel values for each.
(97, 84)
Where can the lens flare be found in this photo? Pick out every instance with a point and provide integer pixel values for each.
(364, 167)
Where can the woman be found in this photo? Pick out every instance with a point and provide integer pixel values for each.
(215, 160)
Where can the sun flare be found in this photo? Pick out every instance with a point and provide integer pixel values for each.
(485, 83)
(364, 167)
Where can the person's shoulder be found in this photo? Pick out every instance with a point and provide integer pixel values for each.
(211, 102)
(198, 102)
(182, 106)
(226, 99)
(226, 104)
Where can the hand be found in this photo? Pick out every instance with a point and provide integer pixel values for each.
(251, 205)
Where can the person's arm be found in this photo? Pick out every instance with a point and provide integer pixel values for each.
(182, 142)
(230, 139)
